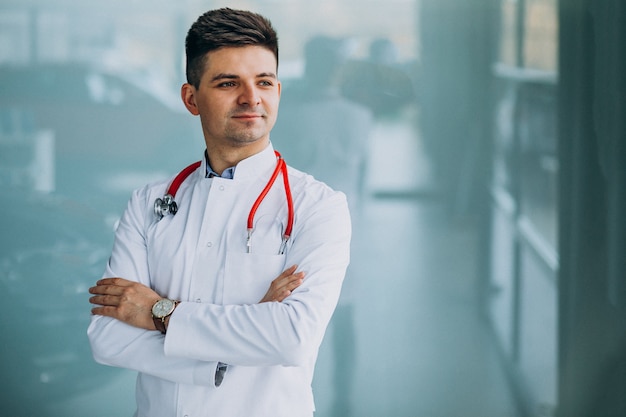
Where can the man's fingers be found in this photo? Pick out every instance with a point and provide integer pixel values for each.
(105, 300)
(104, 311)
(292, 285)
(294, 279)
(106, 290)
(287, 272)
(283, 280)
(120, 282)
(284, 284)
(110, 286)
(287, 285)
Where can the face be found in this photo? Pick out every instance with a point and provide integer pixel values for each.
(237, 99)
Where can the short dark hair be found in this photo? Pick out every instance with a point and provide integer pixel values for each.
(225, 27)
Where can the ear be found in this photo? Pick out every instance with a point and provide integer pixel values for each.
(188, 94)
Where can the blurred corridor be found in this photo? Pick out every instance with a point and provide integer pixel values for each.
(483, 146)
(421, 347)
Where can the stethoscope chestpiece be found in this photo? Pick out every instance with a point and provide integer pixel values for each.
(164, 206)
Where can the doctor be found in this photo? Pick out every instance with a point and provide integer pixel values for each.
(214, 323)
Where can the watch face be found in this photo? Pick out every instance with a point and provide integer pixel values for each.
(162, 308)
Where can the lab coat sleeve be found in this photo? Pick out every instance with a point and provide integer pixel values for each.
(117, 344)
(287, 333)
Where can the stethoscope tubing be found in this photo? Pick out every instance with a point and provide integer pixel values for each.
(167, 205)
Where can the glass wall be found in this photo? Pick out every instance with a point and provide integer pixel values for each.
(90, 110)
(524, 242)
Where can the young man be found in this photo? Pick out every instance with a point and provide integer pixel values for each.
(190, 298)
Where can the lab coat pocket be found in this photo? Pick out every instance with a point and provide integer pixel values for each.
(248, 276)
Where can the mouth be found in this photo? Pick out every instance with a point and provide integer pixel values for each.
(248, 116)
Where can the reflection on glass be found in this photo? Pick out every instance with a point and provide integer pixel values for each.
(538, 159)
(541, 35)
(90, 110)
(509, 32)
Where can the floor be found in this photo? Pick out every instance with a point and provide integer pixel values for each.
(407, 339)
(421, 348)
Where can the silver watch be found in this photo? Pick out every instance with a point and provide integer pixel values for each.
(160, 311)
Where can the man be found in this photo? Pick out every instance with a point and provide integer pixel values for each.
(239, 337)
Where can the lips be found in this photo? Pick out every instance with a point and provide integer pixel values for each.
(247, 116)
(246, 112)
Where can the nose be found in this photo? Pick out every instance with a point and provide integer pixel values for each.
(249, 95)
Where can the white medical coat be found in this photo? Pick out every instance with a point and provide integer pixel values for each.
(199, 257)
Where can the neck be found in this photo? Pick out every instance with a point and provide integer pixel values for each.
(221, 158)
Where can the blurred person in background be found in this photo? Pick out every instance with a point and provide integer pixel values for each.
(332, 132)
(390, 86)
(184, 300)
(326, 135)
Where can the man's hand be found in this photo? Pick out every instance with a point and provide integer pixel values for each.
(131, 302)
(127, 301)
(282, 286)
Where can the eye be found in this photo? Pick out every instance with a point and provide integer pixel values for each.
(226, 84)
(266, 83)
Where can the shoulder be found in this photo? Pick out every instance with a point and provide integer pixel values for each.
(307, 191)
(159, 187)
(142, 201)
(152, 189)
(321, 212)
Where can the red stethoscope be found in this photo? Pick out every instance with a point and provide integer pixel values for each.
(167, 205)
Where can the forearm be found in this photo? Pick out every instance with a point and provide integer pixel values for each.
(240, 335)
(267, 334)
(116, 344)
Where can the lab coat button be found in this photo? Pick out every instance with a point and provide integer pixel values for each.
(209, 244)
(221, 188)
(198, 300)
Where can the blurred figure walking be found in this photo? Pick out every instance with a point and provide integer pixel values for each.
(327, 135)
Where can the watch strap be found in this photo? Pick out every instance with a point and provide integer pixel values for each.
(159, 323)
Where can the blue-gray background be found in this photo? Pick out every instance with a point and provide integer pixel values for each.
(90, 109)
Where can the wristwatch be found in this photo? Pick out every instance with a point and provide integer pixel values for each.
(160, 311)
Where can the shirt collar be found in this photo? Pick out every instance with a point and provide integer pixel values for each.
(227, 174)
(252, 166)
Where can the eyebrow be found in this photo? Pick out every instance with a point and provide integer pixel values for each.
(224, 76)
